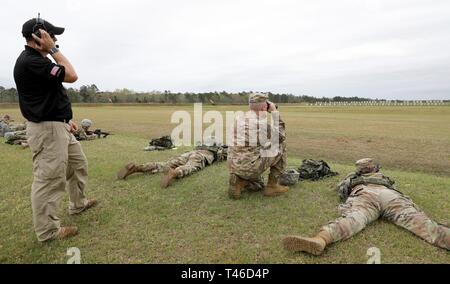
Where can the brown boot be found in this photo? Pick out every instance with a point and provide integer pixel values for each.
(315, 245)
(169, 176)
(236, 185)
(91, 203)
(273, 188)
(66, 232)
(129, 169)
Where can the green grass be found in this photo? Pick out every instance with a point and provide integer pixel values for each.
(194, 221)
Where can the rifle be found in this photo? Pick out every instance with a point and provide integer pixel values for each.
(101, 133)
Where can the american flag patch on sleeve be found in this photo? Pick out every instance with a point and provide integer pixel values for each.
(54, 70)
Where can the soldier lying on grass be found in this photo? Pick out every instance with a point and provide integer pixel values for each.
(184, 165)
(368, 195)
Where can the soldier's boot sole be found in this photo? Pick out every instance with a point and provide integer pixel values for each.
(275, 190)
(168, 178)
(313, 246)
(126, 171)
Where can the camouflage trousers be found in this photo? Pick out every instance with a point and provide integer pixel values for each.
(252, 170)
(184, 165)
(17, 127)
(368, 203)
(13, 136)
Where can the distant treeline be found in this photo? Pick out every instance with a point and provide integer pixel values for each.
(91, 94)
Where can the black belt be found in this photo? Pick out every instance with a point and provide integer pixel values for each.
(57, 120)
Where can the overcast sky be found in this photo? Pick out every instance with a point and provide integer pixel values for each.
(368, 48)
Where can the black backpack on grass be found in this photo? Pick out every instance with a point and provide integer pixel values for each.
(164, 142)
(315, 169)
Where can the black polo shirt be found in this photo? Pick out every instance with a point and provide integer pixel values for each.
(42, 97)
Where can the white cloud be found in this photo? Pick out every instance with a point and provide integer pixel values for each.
(370, 48)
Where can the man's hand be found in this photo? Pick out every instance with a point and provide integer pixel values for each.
(45, 43)
(73, 126)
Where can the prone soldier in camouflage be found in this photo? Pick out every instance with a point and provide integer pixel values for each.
(252, 133)
(184, 165)
(17, 138)
(368, 195)
(83, 133)
(7, 125)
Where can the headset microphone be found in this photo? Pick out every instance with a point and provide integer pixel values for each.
(40, 24)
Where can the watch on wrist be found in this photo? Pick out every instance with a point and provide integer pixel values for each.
(53, 50)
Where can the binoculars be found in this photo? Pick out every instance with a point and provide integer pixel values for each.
(268, 105)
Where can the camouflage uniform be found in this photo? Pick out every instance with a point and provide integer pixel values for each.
(8, 125)
(184, 164)
(247, 161)
(188, 163)
(17, 127)
(367, 203)
(4, 128)
(371, 195)
(16, 137)
(370, 201)
(82, 134)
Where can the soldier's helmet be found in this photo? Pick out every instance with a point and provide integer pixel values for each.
(289, 177)
(86, 123)
(366, 165)
(258, 98)
(9, 136)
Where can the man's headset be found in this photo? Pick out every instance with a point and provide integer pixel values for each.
(40, 24)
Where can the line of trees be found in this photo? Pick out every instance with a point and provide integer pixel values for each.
(92, 94)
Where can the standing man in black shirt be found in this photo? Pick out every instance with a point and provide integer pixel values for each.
(58, 159)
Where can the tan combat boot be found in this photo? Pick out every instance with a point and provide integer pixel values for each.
(66, 232)
(169, 176)
(273, 188)
(236, 185)
(129, 169)
(315, 245)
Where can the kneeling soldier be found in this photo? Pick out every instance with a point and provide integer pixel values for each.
(257, 146)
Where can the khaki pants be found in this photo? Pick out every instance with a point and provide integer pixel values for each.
(58, 161)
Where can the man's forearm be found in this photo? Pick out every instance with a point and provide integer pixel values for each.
(280, 127)
(70, 74)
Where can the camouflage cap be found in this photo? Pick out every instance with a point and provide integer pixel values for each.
(366, 165)
(258, 98)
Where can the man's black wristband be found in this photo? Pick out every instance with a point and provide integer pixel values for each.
(53, 50)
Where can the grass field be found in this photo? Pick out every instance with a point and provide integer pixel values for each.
(194, 221)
